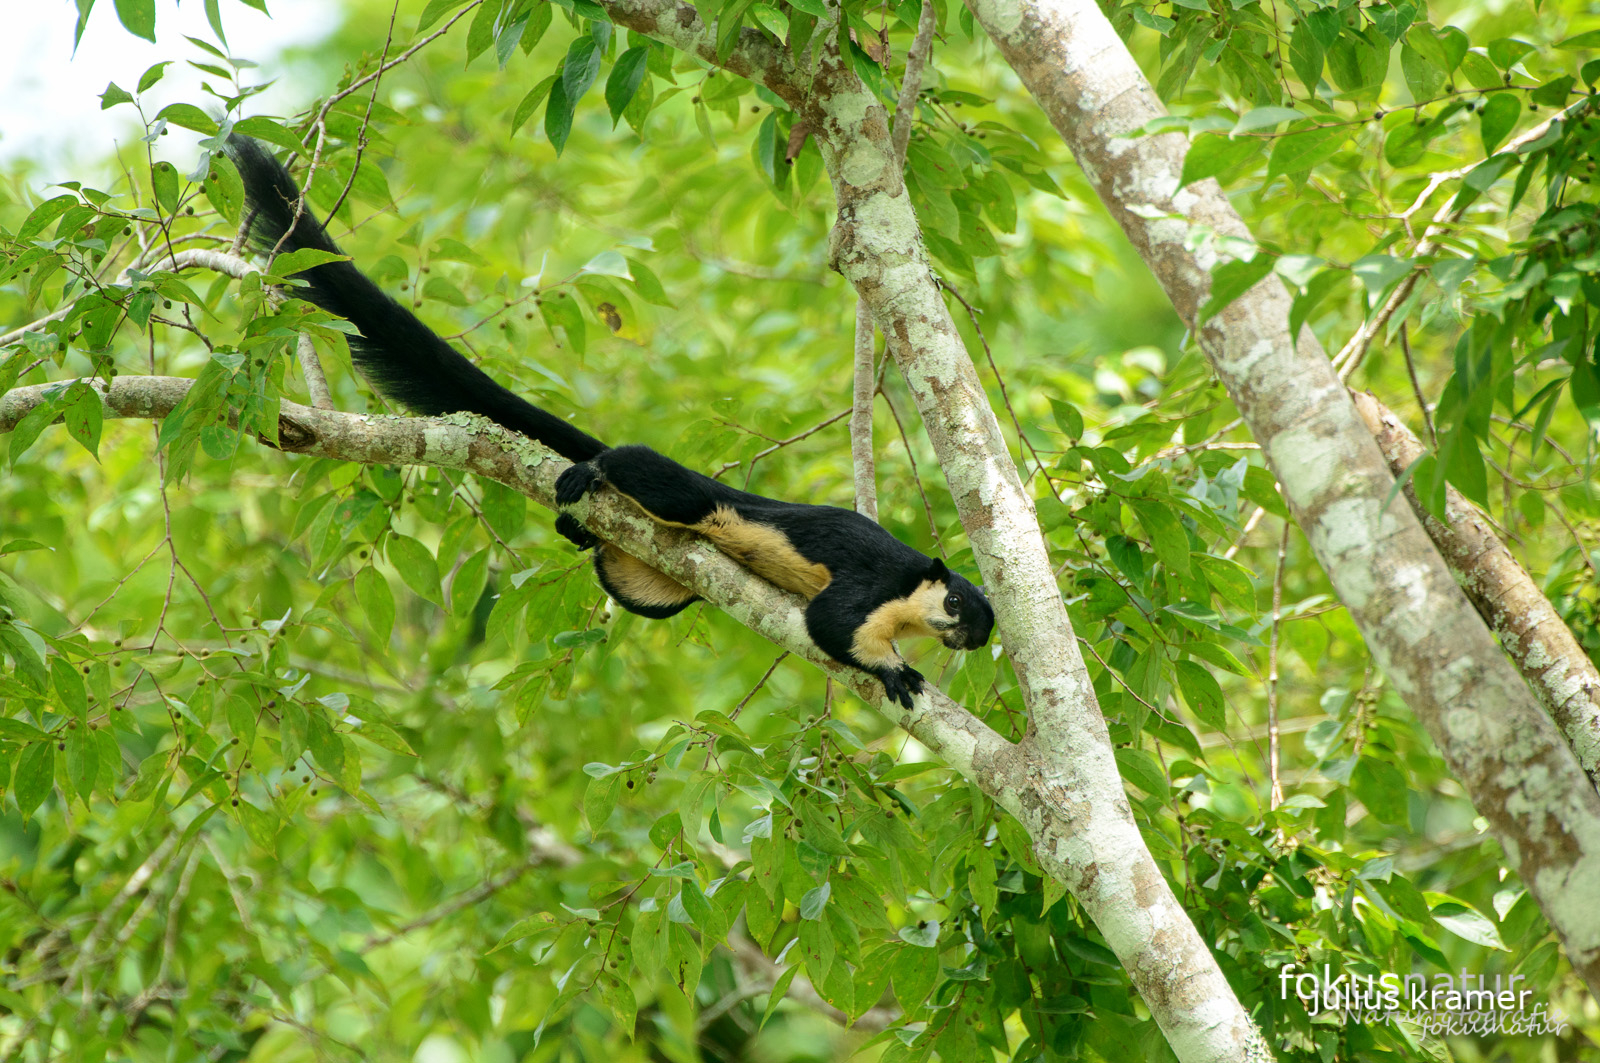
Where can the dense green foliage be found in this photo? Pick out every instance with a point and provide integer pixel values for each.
(309, 760)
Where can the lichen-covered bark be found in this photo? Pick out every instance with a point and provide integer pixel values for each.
(1064, 785)
(1520, 773)
(473, 444)
(1539, 644)
(1096, 850)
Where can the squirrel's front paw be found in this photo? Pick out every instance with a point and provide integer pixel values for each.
(576, 482)
(900, 684)
(567, 525)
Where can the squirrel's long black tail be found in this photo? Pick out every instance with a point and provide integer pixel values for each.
(404, 359)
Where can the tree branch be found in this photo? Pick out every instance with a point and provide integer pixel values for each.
(473, 444)
(1562, 676)
(865, 393)
(1515, 765)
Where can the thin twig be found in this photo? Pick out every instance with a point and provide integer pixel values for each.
(916, 477)
(1244, 533)
(311, 369)
(1275, 797)
(366, 119)
(1350, 356)
(780, 444)
(1416, 388)
(865, 391)
(911, 84)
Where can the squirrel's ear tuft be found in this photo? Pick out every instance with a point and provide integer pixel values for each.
(937, 572)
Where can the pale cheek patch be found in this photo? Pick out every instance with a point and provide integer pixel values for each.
(915, 614)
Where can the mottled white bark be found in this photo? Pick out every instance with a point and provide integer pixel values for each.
(863, 399)
(1070, 796)
(1520, 773)
(1531, 632)
(311, 369)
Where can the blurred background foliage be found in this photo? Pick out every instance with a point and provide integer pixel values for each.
(304, 760)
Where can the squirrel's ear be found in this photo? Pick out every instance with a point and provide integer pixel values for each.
(937, 572)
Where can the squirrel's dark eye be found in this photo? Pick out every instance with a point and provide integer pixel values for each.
(952, 603)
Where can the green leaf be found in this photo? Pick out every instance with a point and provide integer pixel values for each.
(820, 832)
(441, 290)
(434, 10)
(480, 34)
(776, 994)
(599, 798)
(530, 102)
(561, 311)
(683, 959)
(417, 568)
(1229, 579)
(1203, 693)
(323, 743)
(1480, 72)
(1068, 419)
(558, 115)
(272, 132)
(1167, 537)
(164, 182)
(30, 427)
(538, 22)
(42, 215)
(1265, 118)
(83, 411)
(70, 689)
(1150, 20)
(467, 586)
(1380, 786)
(35, 776)
(581, 68)
(287, 265)
(1506, 52)
(647, 285)
(189, 116)
(1215, 155)
(1581, 41)
(1469, 924)
(1378, 272)
(372, 591)
(152, 75)
(1232, 279)
(623, 81)
(1497, 119)
(1141, 769)
(1305, 54)
(83, 762)
(1300, 151)
(814, 901)
(294, 724)
(1553, 93)
(618, 995)
(138, 18)
(982, 881)
(113, 96)
(1424, 76)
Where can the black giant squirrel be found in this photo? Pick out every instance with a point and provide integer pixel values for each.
(865, 588)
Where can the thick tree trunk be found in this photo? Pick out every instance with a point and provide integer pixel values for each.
(1520, 773)
(1540, 645)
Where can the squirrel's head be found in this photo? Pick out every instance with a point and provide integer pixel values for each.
(959, 612)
